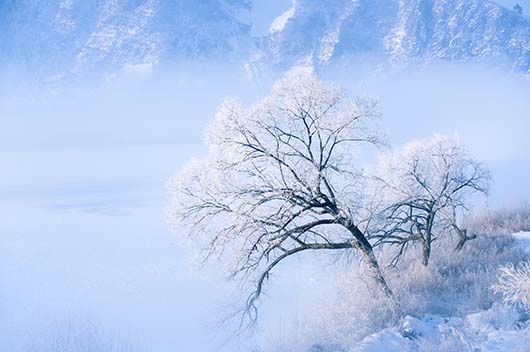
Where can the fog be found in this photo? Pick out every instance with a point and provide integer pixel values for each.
(82, 193)
(486, 107)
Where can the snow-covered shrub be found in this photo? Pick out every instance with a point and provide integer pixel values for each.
(514, 284)
(509, 219)
(455, 283)
(463, 278)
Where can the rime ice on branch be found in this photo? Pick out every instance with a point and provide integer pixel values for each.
(421, 188)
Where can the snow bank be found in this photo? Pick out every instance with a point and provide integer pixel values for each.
(495, 330)
(498, 329)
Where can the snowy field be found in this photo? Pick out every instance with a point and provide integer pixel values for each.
(495, 330)
(84, 239)
(85, 244)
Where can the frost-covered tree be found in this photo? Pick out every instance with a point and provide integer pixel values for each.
(280, 178)
(422, 187)
(514, 284)
(508, 219)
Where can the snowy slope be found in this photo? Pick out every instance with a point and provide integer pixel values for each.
(62, 36)
(399, 31)
(77, 35)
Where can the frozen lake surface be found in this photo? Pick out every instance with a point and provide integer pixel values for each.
(84, 241)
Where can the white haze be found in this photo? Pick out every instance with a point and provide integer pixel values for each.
(82, 197)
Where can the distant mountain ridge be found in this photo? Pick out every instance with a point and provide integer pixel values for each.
(85, 35)
(400, 31)
(80, 36)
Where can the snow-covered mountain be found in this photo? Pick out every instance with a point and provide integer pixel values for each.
(80, 35)
(399, 31)
(76, 36)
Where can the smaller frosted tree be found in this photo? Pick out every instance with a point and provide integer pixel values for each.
(421, 188)
(280, 179)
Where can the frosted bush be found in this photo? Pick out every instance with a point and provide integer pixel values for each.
(510, 219)
(455, 283)
(514, 284)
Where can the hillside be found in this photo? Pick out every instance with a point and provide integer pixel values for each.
(399, 32)
(60, 37)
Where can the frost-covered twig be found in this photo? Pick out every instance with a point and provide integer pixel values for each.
(514, 284)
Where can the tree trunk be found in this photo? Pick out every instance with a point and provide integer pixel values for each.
(426, 250)
(367, 251)
(427, 240)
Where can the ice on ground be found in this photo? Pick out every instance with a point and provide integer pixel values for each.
(498, 329)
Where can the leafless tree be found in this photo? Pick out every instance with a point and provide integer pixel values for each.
(423, 187)
(280, 179)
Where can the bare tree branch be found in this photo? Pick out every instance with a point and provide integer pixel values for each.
(280, 179)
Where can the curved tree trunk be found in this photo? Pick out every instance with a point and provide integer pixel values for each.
(367, 251)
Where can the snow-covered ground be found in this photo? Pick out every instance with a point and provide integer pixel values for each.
(496, 330)
(83, 241)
